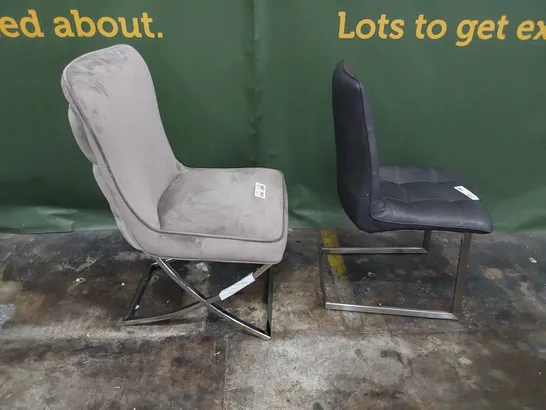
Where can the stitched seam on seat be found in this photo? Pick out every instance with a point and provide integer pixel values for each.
(459, 226)
(450, 226)
(406, 194)
(419, 181)
(460, 213)
(435, 175)
(427, 200)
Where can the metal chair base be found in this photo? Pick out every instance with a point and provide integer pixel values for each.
(202, 301)
(458, 292)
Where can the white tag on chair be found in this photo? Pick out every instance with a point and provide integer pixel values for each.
(259, 191)
(466, 192)
(236, 287)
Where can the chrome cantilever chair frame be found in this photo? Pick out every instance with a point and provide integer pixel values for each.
(458, 290)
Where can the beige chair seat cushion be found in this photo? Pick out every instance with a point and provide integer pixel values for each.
(222, 203)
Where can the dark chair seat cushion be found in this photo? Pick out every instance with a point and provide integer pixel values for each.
(425, 198)
(388, 198)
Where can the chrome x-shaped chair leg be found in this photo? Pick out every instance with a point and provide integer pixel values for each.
(202, 301)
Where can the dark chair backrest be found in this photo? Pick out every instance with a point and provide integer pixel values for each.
(356, 147)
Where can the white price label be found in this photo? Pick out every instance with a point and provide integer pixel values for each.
(236, 287)
(466, 192)
(259, 191)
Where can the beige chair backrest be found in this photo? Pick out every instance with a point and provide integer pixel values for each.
(115, 119)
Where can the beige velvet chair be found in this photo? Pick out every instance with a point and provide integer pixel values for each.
(163, 208)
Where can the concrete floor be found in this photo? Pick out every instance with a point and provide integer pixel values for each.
(62, 345)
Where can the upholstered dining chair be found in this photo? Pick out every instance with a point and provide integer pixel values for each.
(382, 198)
(165, 209)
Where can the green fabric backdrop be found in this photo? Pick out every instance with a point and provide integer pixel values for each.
(244, 83)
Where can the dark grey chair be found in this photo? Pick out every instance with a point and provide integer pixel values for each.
(391, 198)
